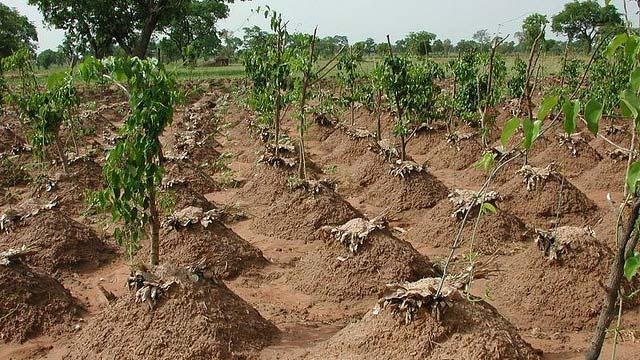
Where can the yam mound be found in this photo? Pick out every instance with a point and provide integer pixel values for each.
(64, 244)
(71, 189)
(468, 330)
(298, 215)
(417, 190)
(343, 150)
(540, 206)
(499, 233)
(267, 185)
(217, 247)
(201, 320)
(585, 157)
(425, 141)
(197, 180)
(331, 270)
(32, 304)
(455, 156)
(181, 196)
(608, 176)
(564, 294)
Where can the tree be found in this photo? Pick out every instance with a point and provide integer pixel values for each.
(254, 37)
(129, 24)
(483, 38)
(16, 32)
(583, 20)
(533, 28)
(194, 30)
(133, 167)
(419, 43)
(49, 57)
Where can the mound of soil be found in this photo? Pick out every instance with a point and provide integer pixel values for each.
(331, 270)
(71, 189)
(585, 158)
(192, 175)
(468, 330)
(202, 320)
(344, 151)
(608, 176)
(499, 233)
(32, 304)
(298, 215)
(419, 190)
(456, 157)
(425, 141)
(267, 185)
(564, 294)
(221, 250)
(64, 244)
(540, 206)
(182, 196)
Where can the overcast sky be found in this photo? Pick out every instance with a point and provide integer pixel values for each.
(360, 19)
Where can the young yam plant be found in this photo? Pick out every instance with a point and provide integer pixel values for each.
(348, 75)
(268, 66)
(133, 168)
(44, 111)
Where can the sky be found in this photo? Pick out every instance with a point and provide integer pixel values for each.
(361, 19)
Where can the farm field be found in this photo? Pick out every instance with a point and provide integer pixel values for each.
(308, 198)
(312, 295)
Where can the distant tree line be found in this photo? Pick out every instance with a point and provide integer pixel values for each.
(186, 31)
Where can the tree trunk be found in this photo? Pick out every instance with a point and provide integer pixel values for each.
(149, 27)
(154, 225)
(627, 239)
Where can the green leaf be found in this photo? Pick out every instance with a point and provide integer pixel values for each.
(634, 80)
(571, 110)
(510, 128)
(630, 104)
(527, 128)
(547, 105)
(633, 176)
(488, 208)
(487, 161)
(615, 44)
(631, 267)
(593, 113)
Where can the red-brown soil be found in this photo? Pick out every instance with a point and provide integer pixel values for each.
(192, 174)
(455, 156)
(33, 304)
(540, 206)
(555, 295)
(382, 259)
(298, 215)
(469, 330)
(416, 191)
(572, 165)
(65, 244)
(203, 320)
(219, 248)
(500, 233)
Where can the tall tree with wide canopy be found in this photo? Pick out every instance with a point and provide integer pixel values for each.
(16, 32)
(419, 43)
(129, 24)
(583, 20)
